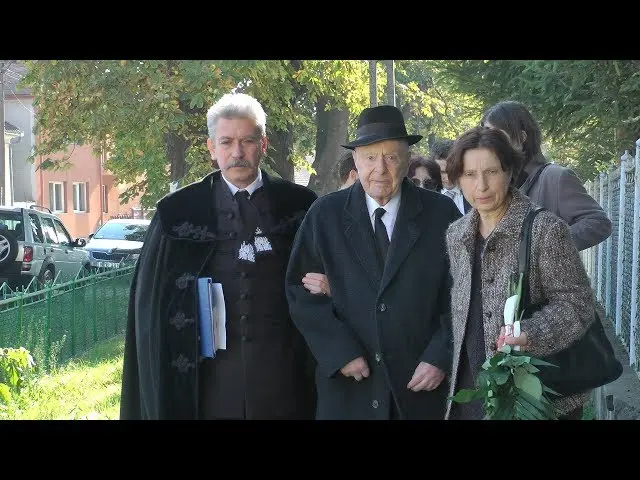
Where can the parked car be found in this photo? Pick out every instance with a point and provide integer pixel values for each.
(35, 243)
(117, 241)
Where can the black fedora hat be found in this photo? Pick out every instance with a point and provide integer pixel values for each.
(384, 122)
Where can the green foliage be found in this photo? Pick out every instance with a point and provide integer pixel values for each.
(55, 353)
(88, 387)
(286, 101)
(510, 389)
(15, 366)
(589, 110)
(126, 109)
(344, 82)
(431, 104)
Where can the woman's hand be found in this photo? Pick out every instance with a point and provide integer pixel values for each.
(511, 340)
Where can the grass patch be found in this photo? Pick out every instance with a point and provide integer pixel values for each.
(87, 387)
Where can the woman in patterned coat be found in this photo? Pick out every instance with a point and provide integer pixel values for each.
(483, 251)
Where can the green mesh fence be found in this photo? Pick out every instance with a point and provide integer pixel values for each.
(59, 322)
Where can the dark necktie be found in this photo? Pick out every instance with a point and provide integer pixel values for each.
(248, 214)
(382, 239)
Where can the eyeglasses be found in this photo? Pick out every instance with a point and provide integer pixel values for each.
(426, 183)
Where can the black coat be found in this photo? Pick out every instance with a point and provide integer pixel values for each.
(394, 319)
(161, 358)
(467, 205)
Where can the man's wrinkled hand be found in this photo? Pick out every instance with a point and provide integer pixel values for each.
(358, 369)
(317, 283)
(426, 377)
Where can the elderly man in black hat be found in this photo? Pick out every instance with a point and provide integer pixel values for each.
(382, 338)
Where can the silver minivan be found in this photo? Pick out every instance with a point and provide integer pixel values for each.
(35, 243)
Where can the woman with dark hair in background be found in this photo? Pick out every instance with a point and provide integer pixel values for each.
(555, 188)
(425, 173)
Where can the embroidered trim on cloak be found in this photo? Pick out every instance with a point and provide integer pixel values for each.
(195, 232)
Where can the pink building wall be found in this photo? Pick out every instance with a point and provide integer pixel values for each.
(86, 168)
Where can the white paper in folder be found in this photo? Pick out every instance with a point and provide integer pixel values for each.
(219, 316)
(212, 311)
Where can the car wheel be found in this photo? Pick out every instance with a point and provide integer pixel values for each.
(8, 248)
(47, 277)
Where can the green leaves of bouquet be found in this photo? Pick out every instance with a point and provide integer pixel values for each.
(510, 389)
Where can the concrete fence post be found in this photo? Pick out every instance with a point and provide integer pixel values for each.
(625, 161)
(609, 247)
(635, 273)
(601, 249)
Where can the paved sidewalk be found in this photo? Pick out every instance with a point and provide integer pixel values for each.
(619, 400)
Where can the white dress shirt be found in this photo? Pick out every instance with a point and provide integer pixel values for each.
(256, 184)
(389, 218)
(457, 198)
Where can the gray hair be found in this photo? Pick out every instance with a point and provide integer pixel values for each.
(236, 105)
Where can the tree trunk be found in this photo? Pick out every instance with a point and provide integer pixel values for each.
(331, 132)
(373, 93)
(279, 151)
(625, 138)
(176, 148)
(175, 145)
(391, 83)
(281, 141)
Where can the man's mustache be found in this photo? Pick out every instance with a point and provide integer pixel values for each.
(239, 163)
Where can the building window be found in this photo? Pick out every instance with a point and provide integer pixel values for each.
(56, 196)
(105, 200)
(80, 197)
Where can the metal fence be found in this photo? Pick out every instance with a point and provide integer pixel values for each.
(61, 321)
(613, 265)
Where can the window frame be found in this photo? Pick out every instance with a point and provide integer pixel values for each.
(52, 198)
(78, 187)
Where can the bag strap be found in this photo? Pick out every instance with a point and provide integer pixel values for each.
(529, 183)
(524, 254)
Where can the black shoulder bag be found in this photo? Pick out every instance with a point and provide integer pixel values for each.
(587, 363)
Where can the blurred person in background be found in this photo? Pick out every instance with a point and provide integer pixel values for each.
(425, 173)
(347, 173)
(551, 186)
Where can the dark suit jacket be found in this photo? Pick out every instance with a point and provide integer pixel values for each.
(161, 357)
(395, 318)
(467, 205)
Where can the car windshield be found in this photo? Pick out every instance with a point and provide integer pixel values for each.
(122, 231)
(12, 221)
